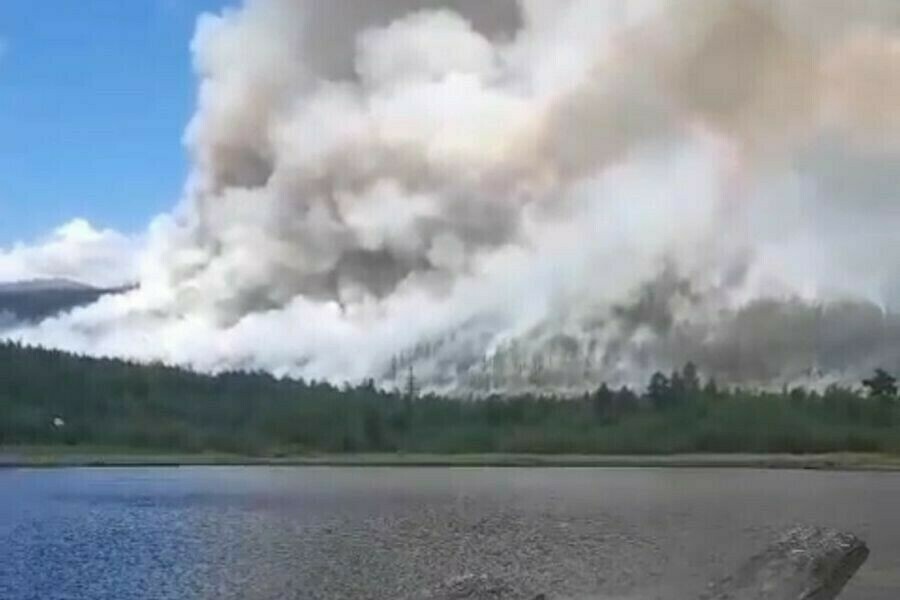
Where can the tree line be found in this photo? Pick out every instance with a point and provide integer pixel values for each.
(49, 397)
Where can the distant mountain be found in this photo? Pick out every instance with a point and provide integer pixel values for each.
(34, 300)
(43, 285)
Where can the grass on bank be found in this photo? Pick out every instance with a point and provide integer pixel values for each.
(62, 456)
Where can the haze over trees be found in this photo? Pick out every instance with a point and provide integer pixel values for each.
(53, 398)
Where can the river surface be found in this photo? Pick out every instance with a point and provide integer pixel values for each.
(258, 533)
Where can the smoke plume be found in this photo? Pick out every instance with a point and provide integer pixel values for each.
(532, 194)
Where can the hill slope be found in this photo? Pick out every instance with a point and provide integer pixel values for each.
(35, 300)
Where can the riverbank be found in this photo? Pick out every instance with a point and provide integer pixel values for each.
(55, 457)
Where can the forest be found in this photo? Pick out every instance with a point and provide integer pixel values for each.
(50, 398)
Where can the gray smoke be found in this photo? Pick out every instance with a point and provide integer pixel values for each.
(542, 193)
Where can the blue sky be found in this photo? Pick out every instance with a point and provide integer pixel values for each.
(94, 97)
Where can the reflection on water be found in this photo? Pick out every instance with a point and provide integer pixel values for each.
(284, 533)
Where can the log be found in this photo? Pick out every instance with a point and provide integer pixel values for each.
(806, 563)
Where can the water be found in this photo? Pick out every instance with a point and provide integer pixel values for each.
(291, 533)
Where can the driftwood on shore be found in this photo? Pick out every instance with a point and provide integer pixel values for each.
(806, 563)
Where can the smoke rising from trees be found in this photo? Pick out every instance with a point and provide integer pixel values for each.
(543, 193)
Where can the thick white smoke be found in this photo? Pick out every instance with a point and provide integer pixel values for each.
(536, 194)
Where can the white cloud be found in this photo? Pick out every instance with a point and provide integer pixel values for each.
(77, 251)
